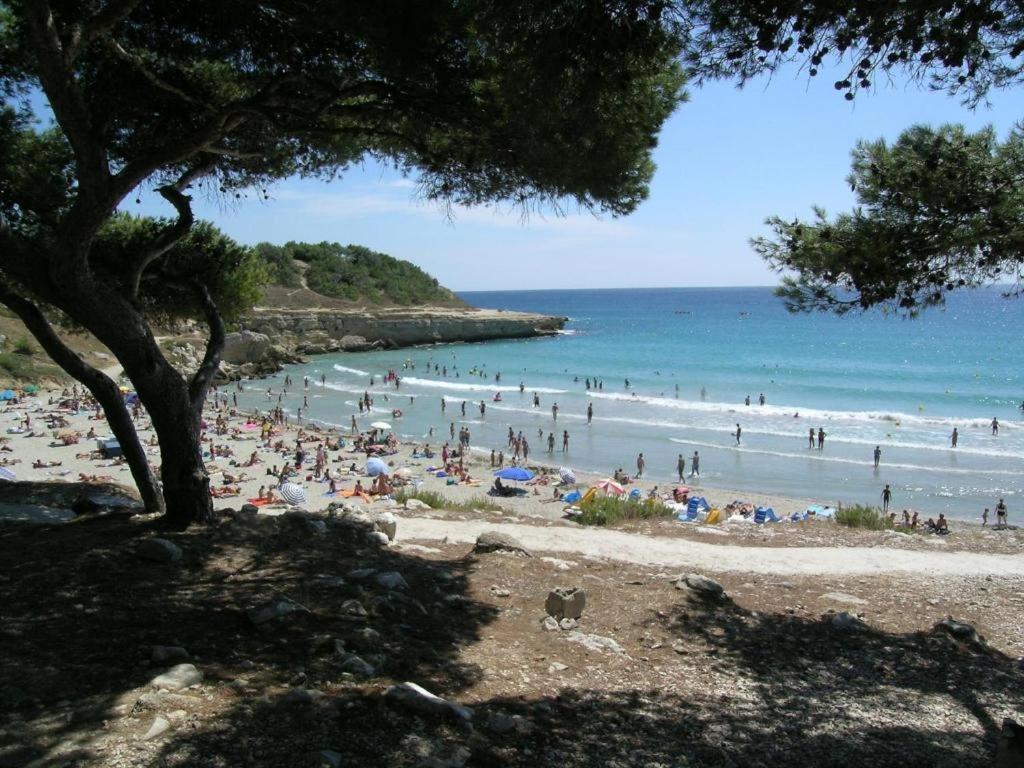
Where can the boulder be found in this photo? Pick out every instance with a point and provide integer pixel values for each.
(411, 696)
(177, 677)
(391, 580)
(846, 622)
(248, 510)
(416, 504)
(245, 347)
(379, 537)
(961, 630)
(159, 551)
(357, 666)
(565, 602)
(567, 624)
(496, 541)
(549, 624)
(386, 523)
(704, 585)
(595, 642)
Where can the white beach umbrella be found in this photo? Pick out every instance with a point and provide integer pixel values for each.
(567, 475)
(293, 493)
(6, 474)
(380, 425)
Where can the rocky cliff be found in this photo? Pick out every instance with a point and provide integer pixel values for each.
(318, 331)
(270, 337)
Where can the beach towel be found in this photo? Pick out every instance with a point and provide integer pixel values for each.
(258, 502)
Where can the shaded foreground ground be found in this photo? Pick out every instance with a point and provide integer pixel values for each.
(760, 678)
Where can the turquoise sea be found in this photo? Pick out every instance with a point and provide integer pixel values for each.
(867, 380)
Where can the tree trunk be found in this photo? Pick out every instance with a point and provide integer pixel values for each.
(103, 388)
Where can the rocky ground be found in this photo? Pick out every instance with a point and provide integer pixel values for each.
(279, 642)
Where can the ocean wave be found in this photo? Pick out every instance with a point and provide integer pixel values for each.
(814, 456)
(344, 369)
(413, 380)
(788, 411)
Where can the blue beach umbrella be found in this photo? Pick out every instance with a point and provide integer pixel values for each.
(514, 473)
(376, 467)
(7, 395)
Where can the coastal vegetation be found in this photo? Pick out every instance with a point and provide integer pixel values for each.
(863, 516)
(354, 273)
(606, 510)
(482, 102)
(436, 500)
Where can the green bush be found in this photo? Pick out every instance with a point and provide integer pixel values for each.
(17, 366)
(24, 347)
(602, 510)
(862, 516)
(436, 500)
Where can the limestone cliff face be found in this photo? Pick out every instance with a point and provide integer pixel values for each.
(314, 331)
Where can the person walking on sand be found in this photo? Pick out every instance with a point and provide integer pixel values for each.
(590, 412)
(995, 426)
(878, 455)
(810, 437)
(1001, 514)
(821, 439)
(737, 434)
(695, 465)
(984, 517)
(565, 441)
(886, 498)
(640, 466)
(954, 437)
(681, 467)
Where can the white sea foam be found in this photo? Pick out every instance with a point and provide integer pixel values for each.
(456, 385)
(815, 456)
(344, 369)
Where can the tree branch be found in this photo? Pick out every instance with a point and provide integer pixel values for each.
(140, 66)
(214, 347)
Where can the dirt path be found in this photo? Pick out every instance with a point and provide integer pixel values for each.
(682, 553)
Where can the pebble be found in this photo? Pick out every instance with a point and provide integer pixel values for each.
(567, 624)
(550, 624)
(274, 610)
(415, 697)
(703, 584)
(556, 667)
(595, 642)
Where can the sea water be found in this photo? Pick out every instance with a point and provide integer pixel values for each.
(692, 357)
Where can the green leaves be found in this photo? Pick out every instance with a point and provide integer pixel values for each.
(940, 209)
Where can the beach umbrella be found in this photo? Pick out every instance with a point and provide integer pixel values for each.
(6, 474)
(7, 394)
(514, 473)
(293, 493)
(610, 486)
(567, 475)
(376, 467)
(380, 425)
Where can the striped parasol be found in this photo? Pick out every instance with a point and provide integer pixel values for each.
(293, 493)
(611, 487)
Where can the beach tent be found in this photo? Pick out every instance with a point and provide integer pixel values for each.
(514, 473)
(7, 394)
(376, 467)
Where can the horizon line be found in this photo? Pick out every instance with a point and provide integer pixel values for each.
(614, 288)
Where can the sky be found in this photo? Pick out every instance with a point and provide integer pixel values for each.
(726, 160)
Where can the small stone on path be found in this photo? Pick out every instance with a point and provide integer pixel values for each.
(178, 677)
(595, 642)
(158, 727)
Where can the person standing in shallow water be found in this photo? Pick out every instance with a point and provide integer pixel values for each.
(954, 437)
(810, 437)
(995, 426)
(878, 455)
(886, 498)
(739, 432)
(695, 465)
(821, 439)
(590, 412)
(681, 467)
(640, 463)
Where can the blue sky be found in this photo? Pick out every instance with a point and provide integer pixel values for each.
(726, 160)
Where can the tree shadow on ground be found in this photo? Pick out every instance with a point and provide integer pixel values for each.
(80, 612)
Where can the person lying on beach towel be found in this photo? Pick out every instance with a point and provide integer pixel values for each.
(84, 478)
(40, 464)
(225, 491)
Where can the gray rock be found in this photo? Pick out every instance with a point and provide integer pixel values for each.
(249, 510)
(499, 592)
(274, 611)
(846, 622)
(302, 696)
(496, 541)
(391, 580)
(177, 677)
(595, 642)
(961, 630)
(842, 597)
(387, 524)
(359, 574)
(567, 624)
(416, 504)
(566, 603)
(556, 666)
(353, 608)
(1010, 750)
(412, 696)
(549, 624)
(168, 654)
(159, 551)
(702, 584)
(501, 723)
(378, 537)
(158, 727)
(357, 666)
(366, 638)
